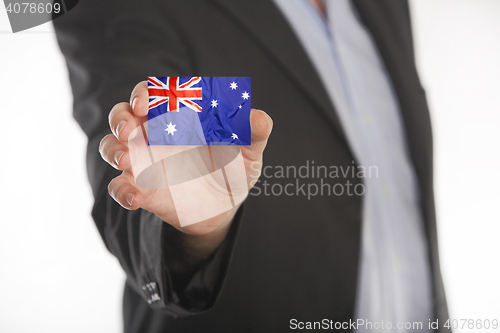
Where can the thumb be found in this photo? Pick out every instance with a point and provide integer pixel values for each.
(261, 125)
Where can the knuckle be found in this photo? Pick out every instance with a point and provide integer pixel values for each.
(114, 188)
(103, 144)
(140, 90)
(111, 188)
(117, 110)
(113, 111)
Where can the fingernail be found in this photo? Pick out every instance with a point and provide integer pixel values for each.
(130, 198)
(120, 127)
(118, 157)
(134, 101)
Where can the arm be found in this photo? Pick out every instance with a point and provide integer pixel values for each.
(106, 57)
(187, 246)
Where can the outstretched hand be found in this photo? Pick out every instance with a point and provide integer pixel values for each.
(125, 120)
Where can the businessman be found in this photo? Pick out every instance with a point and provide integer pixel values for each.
(340, 226)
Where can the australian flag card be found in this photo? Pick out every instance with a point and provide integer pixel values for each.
(199, 110)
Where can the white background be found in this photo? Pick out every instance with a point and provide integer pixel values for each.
(57, 276)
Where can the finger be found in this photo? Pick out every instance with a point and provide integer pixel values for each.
(139, 99)
(122, 122)
(261, 125)
(114, 152)
(122, 189)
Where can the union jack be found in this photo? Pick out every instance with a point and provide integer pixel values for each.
(174, 94)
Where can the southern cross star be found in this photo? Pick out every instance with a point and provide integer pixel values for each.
(170, 129)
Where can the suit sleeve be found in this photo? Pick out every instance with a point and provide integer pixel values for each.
(109, 47)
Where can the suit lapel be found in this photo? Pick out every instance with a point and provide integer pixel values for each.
(263, 21)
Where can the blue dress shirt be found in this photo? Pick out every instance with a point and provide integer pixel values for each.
(394, 281)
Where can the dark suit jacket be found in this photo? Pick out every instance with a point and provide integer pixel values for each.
(285, 257)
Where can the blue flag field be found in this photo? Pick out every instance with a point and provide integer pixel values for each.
(199, 110)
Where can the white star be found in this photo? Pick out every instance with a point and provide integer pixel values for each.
(234, 136)
(170, 129)
(233, 85)
(239, 106)
(214, 103)
(245, 95)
